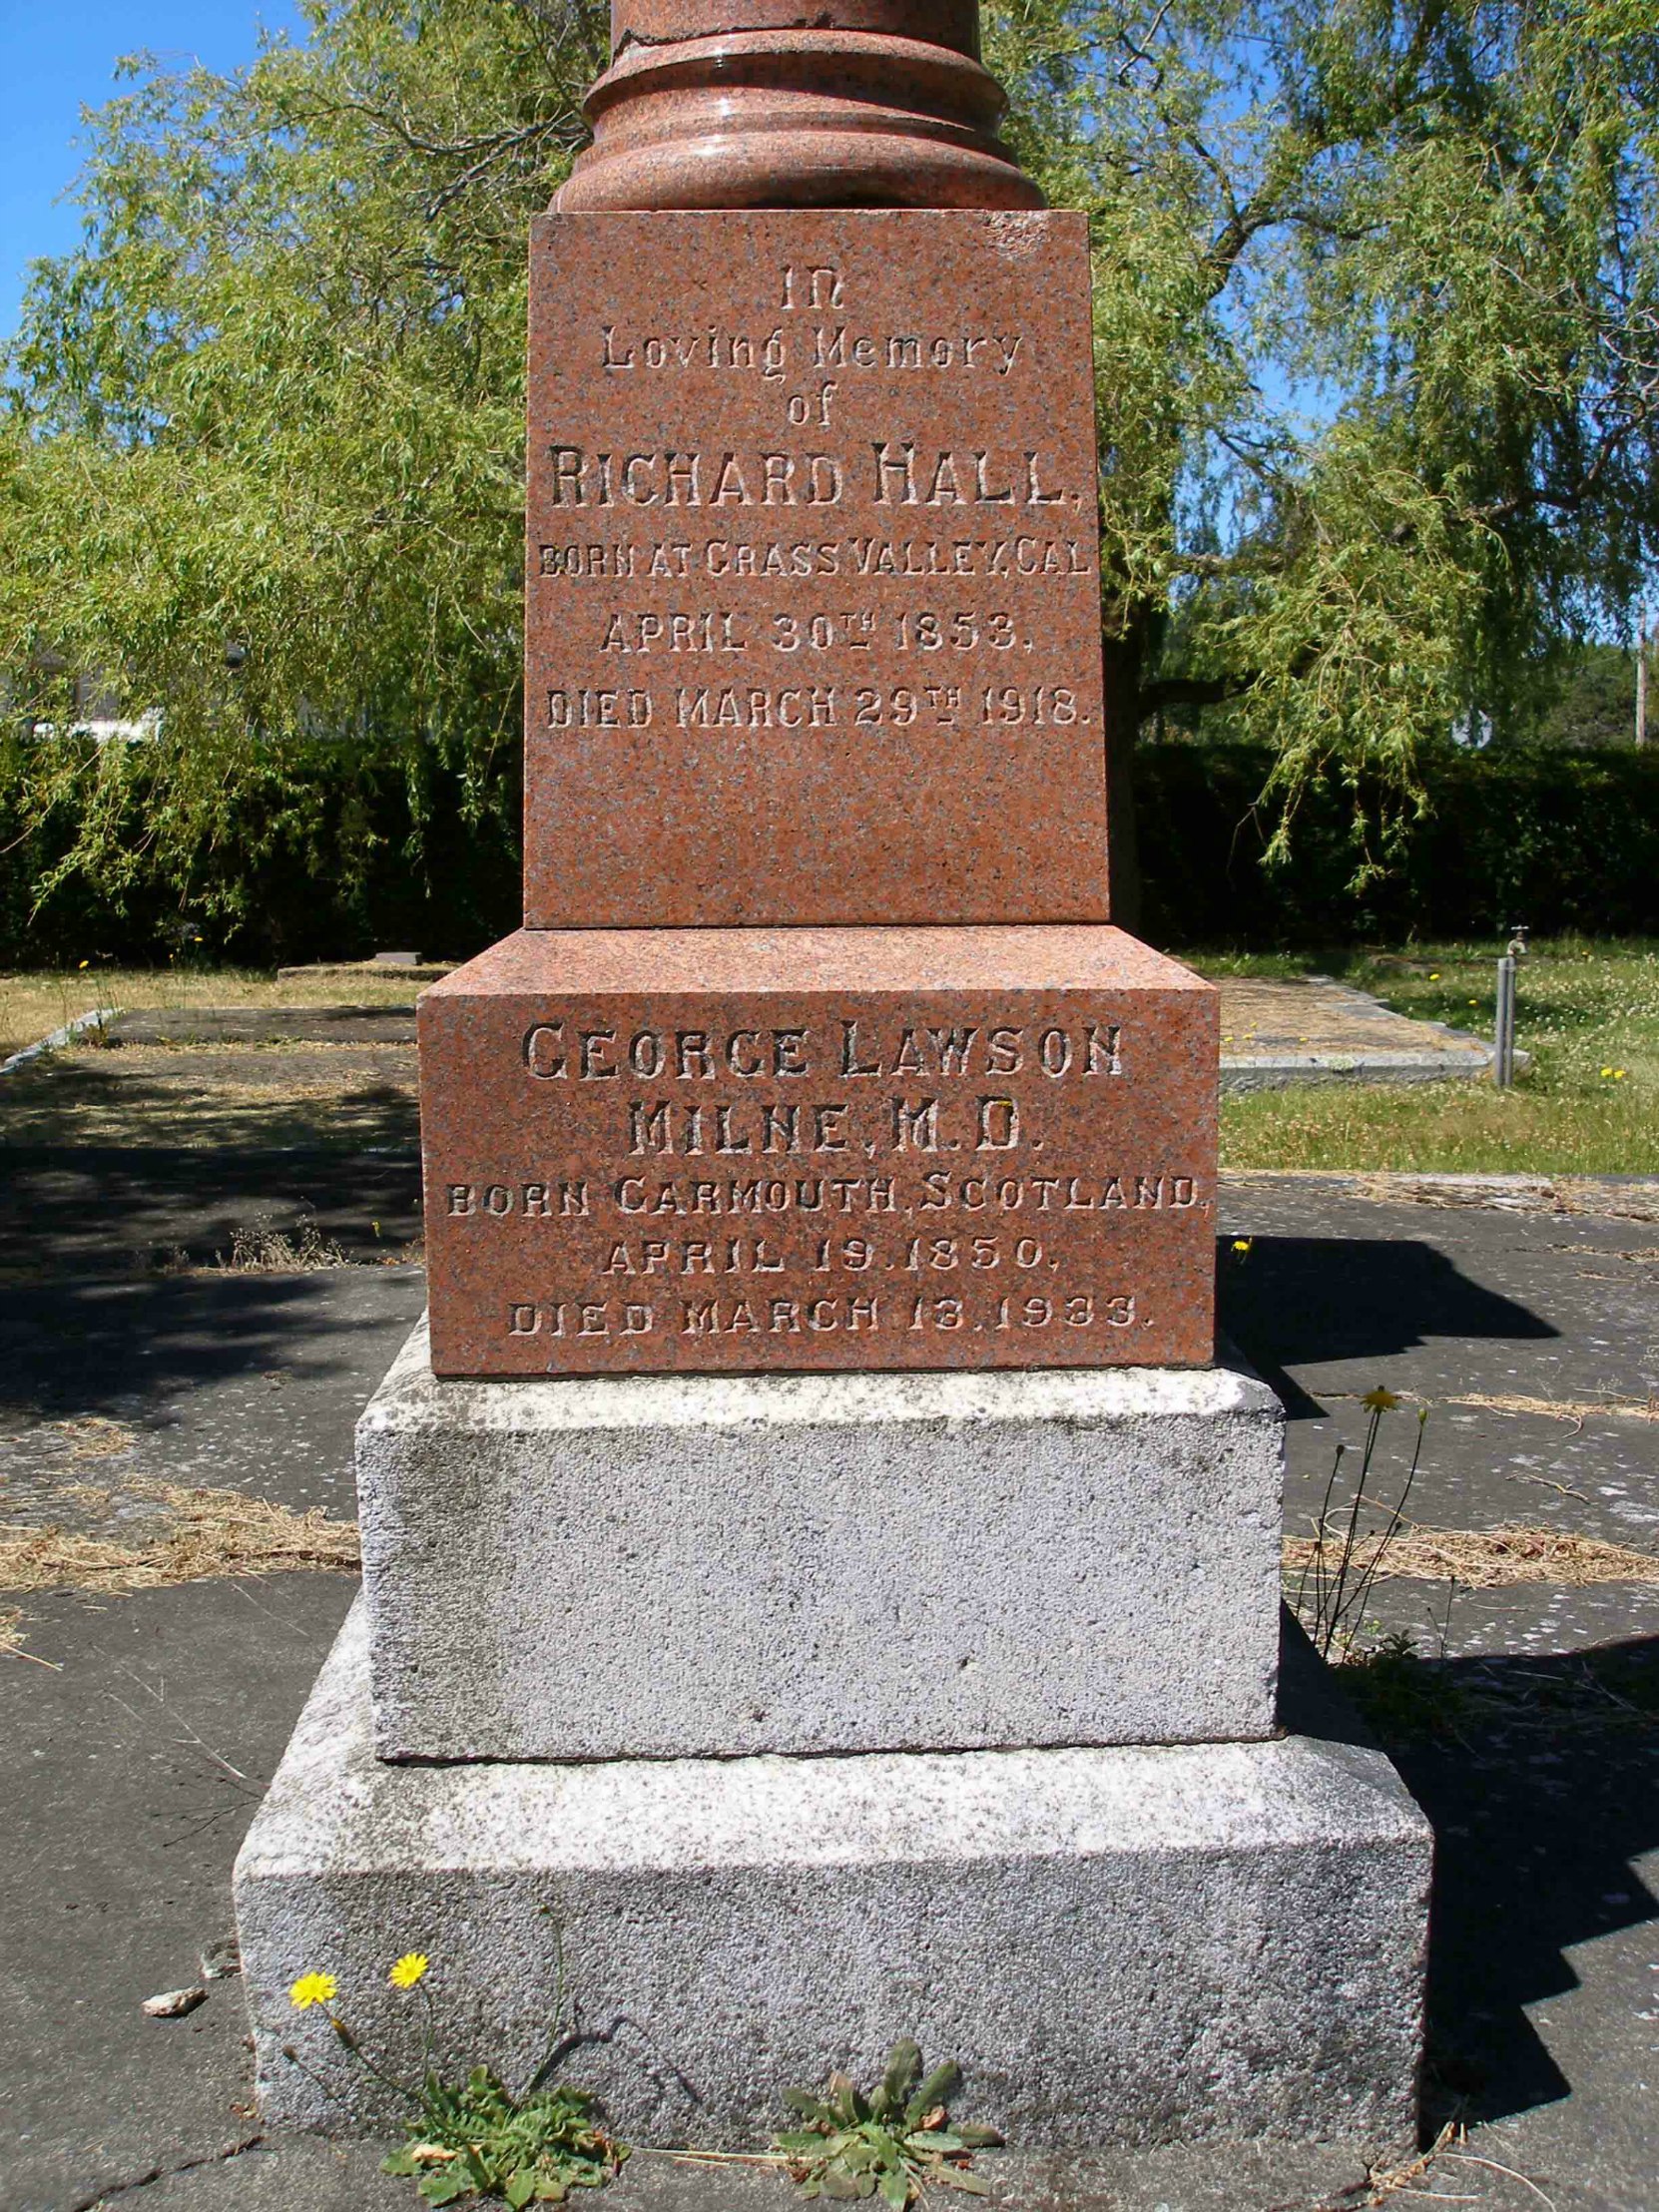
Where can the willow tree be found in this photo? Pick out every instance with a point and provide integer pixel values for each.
(1378, 350)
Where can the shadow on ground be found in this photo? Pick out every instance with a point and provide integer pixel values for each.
(99, 1305)
(1540, 1801)
(1318, 1300)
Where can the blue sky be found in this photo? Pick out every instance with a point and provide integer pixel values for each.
(56, 60)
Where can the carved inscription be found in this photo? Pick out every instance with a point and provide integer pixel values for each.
(828, 505)
(849, 1175)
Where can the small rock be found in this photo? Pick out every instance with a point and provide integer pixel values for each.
(219, 1960)
(173, 2004)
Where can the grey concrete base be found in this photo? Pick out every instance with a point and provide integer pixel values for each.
(1129, 1946)
(670, 1566)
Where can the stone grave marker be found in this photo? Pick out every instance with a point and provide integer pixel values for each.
(821, 1583)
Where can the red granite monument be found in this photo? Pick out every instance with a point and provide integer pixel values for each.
(817, 1049)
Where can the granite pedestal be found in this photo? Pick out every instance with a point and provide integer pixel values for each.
(1131, 1946)
(835, 1597)
(665, 1566)
(739, 1151)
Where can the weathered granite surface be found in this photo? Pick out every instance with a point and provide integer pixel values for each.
(663, 1566)
(747, 1150)
(812, 614)
(1132, 1945)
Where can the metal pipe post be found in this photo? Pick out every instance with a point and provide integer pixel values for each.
(1503, 1061)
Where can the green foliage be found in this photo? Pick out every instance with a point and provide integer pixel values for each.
(477, 2141)
(1378, 357)
(1403, 1695)
(1563, 839)
(895, 2142)
(1593, 702)
(1376, 338)
(270, 414)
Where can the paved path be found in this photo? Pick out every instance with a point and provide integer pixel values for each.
(132, 1761)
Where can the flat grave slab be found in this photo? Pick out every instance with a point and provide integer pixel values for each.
(1311, 1029)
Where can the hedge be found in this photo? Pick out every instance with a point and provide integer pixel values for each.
(1559, 840)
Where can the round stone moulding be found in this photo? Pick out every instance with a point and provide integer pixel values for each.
(867, 103)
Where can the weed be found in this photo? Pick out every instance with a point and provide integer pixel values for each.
(894, 2142)
(264, 1249)
(478, 2140)
(1342, 1561)
(1401, 1693)
(475, 2138)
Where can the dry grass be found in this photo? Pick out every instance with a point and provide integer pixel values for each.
(33, 1004)
(91, 1437)
(264, 1249)
(1481, 1559)
(201, 1534)
(1579, 1410)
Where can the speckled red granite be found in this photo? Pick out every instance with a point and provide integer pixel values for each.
(797, 1148)
(843, 669)
(759, 104)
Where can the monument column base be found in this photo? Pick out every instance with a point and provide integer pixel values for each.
(702, 1565)
(1129, 1946)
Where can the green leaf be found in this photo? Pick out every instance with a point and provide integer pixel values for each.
(936, 2089)
(444, 2187)
(835, 2183)
(976, 2137)
(895, 2188)
(398, 2162)
(904, 2072)
(844, 2102)
(956, 2178)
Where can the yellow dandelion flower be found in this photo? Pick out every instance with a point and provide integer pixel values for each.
(1241, 1243)
(1379, 1401)
(1608, 1075)
(410, 1969)
(1434, 975)
(309, 1989)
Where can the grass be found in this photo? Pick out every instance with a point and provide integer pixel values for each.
(199, 1535)
(1587, 1011)
(34, 1003)
(1479, 1559)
